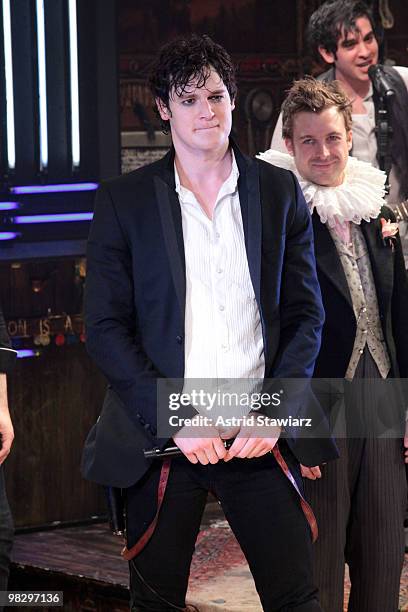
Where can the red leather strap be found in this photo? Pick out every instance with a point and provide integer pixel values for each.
(129, 553)
(307, 510)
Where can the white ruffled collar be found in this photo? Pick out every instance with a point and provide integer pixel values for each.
(359, 197)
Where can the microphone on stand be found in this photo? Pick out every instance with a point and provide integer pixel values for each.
(381, 81)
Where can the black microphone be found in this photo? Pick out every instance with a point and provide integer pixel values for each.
(381, 81)
(174, 451)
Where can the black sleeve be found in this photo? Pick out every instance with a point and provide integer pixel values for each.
(7, 354)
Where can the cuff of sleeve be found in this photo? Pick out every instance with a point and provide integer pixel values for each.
(7, 359)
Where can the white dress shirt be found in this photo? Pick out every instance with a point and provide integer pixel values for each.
(223, 333)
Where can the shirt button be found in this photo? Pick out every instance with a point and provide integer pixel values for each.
(364, 331)
(222, 308)
(219, 271)
(217, 234)
(179, 339)
(364, 309)
(361, 351)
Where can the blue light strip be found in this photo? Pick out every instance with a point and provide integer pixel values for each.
(42, 84)
(8, 66)
(8, 235)
(58, 218)
(65, 188)
(74, 82)
(9, 206)
(21, 354)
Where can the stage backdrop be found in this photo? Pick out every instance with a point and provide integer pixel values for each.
(265, 38)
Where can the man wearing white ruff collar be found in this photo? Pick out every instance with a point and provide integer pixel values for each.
(359, 500)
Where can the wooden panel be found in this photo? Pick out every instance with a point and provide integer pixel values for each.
(54, 398)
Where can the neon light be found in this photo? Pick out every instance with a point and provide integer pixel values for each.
(74, 80)
(61, 218)
(8, 64)
(54, 188)
(21, 354)
(42, 84)
(9, 205)
(8, 235)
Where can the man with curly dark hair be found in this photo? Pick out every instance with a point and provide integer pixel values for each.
(200, 266)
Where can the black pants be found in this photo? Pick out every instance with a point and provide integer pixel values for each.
(6, 535)
(264, 513)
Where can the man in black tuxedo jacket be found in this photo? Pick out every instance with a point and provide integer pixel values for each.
(201, 266)
(360, 499)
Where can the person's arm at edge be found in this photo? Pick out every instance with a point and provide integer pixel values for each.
(7, 360)
(398, 315)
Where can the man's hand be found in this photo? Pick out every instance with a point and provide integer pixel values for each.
(208, 448)
(6, 426)
(406, 443)
(310, 472)
(253, 441)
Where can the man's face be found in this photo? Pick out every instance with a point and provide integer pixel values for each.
(356, 52)
(200, 118)
(320, 146)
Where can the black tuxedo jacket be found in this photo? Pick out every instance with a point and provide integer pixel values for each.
(391, 285)
(135, 301)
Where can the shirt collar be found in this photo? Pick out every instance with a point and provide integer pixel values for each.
(369, 95)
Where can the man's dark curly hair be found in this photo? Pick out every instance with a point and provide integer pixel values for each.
(189, 58)
(327, 22)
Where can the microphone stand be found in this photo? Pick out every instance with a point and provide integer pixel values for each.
(383, 95)
(384, 133)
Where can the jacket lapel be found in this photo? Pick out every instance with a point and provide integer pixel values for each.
(170, 217)
(382, 263)
(250, 202)
(327, 258)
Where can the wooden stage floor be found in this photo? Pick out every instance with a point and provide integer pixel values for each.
(85, 563)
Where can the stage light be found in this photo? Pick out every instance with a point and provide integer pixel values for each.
(74, 82)
(23, 353)
(9, 206)
(8, 69)
(42, 84)
(57, 218)
(64, 188)
(8, 235)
